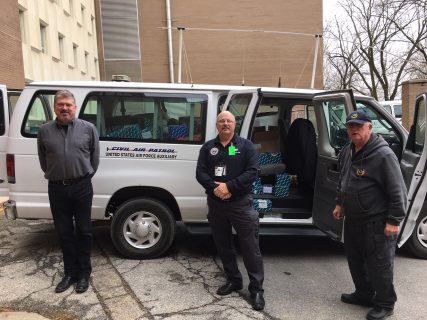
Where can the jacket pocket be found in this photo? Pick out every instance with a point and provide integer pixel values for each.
(352, 203)
(366, 200)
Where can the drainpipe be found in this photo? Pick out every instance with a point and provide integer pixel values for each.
(170, 48)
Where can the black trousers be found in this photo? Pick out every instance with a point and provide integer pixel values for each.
(370, 256)
(239, 214)
(71, 205)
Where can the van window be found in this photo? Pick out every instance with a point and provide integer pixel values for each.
(398, 110)
(420, 127)
(2, 115)
(40, 112)
(388, 108)
(238, 106)
(13, 99)
(128, 116)
(336, 117)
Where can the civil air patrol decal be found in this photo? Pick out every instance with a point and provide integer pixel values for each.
(214, 151)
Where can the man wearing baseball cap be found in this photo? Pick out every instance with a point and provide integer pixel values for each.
(371, 195)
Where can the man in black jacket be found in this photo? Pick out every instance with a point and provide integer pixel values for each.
(371, 195)
(226, 168)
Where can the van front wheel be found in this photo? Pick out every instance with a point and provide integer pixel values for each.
(142, 228)
(417, 243)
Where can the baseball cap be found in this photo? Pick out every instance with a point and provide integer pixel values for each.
(358, 116)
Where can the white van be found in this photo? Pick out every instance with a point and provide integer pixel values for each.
(150, 136)
(394, 107)
(4, 128)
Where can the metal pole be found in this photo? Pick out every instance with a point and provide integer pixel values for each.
(313, 74)
(170, 51)
(181, 31)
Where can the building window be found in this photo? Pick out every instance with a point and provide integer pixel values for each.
(75, 57)
(43, 37)
(92, 24)
(22, 26)
(71, 5)
(95, 67)
(86, 62)
(61, 47)
(82, 10)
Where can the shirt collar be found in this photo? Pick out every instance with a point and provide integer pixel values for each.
(235, 140)
(61, 125)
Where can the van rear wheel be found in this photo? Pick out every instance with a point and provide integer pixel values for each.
(417, 243)
(142, 228)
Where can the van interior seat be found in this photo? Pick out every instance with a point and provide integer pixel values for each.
(301, 153)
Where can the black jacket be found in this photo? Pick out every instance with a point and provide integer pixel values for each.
(371, 186)
(241, 168)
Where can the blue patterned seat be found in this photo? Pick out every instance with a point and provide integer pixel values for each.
(128, 132)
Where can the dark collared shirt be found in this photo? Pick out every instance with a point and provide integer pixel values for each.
(68, 154)
(241, 166)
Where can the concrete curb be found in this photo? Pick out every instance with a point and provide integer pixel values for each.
(20, 316)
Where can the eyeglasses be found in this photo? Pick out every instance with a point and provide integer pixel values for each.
(225, 121)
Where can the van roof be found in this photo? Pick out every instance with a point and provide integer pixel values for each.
(174, 86)
(134, 85)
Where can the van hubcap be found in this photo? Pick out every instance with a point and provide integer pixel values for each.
(422, 232)
(142, 230)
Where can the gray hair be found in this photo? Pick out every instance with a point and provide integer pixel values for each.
(63, 94)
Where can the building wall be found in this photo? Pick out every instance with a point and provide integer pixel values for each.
(410, 90)
(11, 64)
(229, 57)
(75, 24)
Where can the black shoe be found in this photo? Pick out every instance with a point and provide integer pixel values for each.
(258, 301)
(378, 313)
(228, 288)
(355, 298)
(65, 283)
(82, 285)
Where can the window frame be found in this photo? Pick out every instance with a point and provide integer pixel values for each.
(160, 95)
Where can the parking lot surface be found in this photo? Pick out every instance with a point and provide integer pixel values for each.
(304, 280)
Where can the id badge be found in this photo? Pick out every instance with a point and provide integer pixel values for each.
(219, 171)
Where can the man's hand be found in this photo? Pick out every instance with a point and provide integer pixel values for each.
(391, 229)
(337, 213)
(221, 191)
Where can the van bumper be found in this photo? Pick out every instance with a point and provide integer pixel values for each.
(9, 208)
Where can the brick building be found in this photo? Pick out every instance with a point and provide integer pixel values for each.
(11, 64)
(135, 41)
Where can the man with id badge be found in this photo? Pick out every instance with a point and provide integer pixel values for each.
(226, 168)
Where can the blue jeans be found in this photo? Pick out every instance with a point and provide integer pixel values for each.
(71, 205)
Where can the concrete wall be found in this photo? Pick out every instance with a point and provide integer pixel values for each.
(11, 64)
(410, 90)
(76, 25)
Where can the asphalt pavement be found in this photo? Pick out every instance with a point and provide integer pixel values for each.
(304, 280)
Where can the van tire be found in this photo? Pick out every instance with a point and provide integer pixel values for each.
(142, 228)
(417, 243)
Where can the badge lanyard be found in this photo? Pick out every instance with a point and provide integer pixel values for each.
(221, 169)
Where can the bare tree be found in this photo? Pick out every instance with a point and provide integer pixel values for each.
(375, 45)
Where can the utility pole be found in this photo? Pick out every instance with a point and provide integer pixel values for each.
(316, 51)
(181, 39)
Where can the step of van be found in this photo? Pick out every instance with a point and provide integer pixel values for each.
(265, 230)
